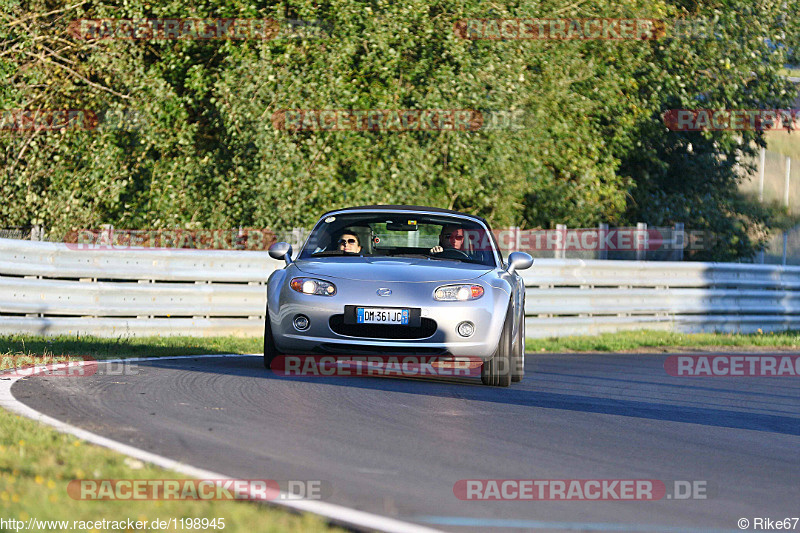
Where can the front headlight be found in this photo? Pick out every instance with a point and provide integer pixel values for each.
(313, 286)
(457, 293)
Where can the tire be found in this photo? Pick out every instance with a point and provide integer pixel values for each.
(270, 352)
(519, 354)
(496, 372)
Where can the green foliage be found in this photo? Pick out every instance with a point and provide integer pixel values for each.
(207, 154)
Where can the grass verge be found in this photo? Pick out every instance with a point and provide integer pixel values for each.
(665, 341)
(37, 463)
(100, 348)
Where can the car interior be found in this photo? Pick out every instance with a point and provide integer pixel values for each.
(391, 237)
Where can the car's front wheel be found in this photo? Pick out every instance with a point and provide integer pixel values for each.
(497, 371)
(270, 352)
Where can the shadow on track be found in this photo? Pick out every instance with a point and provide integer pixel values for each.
(523, 394)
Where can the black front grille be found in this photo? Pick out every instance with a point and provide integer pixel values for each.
(383, 331)
(361, 349)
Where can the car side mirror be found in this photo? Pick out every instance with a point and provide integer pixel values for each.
(281, 250)
(519, 261)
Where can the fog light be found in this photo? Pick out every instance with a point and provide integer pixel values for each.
(301, 322)
(466, 329)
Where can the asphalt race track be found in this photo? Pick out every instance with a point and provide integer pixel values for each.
(396, 447)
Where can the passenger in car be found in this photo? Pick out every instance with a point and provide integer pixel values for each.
(349, 242)
(450, 238)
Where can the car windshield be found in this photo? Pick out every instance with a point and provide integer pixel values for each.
(433, 237)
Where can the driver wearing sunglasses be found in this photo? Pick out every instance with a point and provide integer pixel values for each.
(450, 238)
(348, 242)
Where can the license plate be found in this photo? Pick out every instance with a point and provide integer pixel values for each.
(379, 315)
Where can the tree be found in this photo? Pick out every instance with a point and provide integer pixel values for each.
(204, 151)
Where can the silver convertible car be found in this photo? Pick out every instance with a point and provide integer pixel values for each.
(386, 279)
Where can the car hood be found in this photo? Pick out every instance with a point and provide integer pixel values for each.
(399, 269)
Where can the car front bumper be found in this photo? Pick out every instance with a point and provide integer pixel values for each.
(486, 313)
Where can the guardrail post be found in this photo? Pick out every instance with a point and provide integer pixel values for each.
(786, 181)
(786, 203)
(785, 243)
(678, 240)
(602, 231)
(641, 241)
(561, 240)
(762, 164)
(106, 236)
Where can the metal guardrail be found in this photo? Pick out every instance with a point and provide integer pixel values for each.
(60, 289)
(51, 288)
(58, 260)
(574, 297)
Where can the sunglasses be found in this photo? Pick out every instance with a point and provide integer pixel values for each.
(348, 241)
(454, 237)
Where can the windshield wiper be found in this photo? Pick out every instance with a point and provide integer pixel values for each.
(421, 255)
(403, 254)
(335, 252)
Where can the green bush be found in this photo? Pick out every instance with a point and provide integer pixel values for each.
(205, 153)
